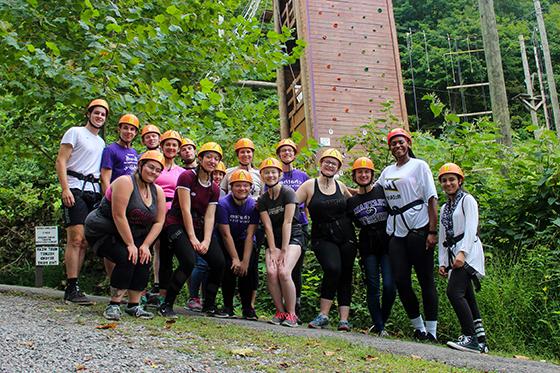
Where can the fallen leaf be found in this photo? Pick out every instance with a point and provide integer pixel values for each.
(370, 358)
(271, 348)
(112, 325)
(60, 310)
(416, 357)
(521, 357)
(80, 367)
(169, 323)
(242, 351)
(284, 365)
(340, 358)
(329, 353)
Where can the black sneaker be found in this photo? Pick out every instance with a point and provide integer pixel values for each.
(483, 347)
(166, 310)
(420, 335)
(75, 296)
(431, 338)
(229, 312)
(212, 311)
(250, 314)
(465, 343)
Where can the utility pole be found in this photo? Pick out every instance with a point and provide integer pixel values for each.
(498, 97)
(528, 80)
(548, 66)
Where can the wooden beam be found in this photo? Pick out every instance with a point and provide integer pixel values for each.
(480, 113)
(256, 84)
(469, 85)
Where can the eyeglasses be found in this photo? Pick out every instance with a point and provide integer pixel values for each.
(330, 163)
(155, 169)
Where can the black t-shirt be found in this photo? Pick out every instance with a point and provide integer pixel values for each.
(275, 209)
(369, 212)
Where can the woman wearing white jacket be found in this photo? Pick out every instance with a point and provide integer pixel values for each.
(461, 258)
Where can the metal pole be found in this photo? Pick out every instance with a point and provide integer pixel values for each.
(541, 84)
(528, 81)
(548, 66)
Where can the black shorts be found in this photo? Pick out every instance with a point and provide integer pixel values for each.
(85, 202)
(295, 239)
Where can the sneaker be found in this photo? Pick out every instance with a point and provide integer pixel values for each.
(112, 312)
(75, 295)
(384, 334)
(194, 304)
(319, 322)
(291, 320)
(250, 314)
(420, 335)
(343, 326)
(465, 343)
(155, 300)
(166, 310)
(212, 311)
(431, 338)
(483, 347)
(139, 312)
(278, 318)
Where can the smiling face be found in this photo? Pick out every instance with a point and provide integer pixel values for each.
(270, 176)
(127, 132)
(240, 190)
(329, 166)
(286, 154)
(218, 176)
(170, 148)
(450, 183)
(150, 171)
(97, 116)
(188, 153)
(151, 140)
(245, 156)
(399, 146)
(363, 176)
(209, 160)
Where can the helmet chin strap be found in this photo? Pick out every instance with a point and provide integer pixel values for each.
(94, 126)
(327, 176)
(140, 173)
(272, 186)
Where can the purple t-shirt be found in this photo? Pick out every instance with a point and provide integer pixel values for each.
(121, 160)
(237, 217)
(294, 179)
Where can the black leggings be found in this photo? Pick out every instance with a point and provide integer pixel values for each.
(461, 296)
(179, 245)
(246, 283)
(405, 253)
(298, 268)
(125, 275)
(337, 262)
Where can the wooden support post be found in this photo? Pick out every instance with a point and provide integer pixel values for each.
(548, 66)
(528, 80)
(493, 56)
(541, 85)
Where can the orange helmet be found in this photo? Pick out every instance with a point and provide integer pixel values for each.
(150, 128)
(450, 168)
(270, 162)
(211, 147)
(130, 119)
(363, 162)
(240, 175)
(398, 132)
(243, 143)
(98, 102)
(153, 155)
(331, 152)
(221, 167)
(286, 142)
(167, 135)
(186, 141)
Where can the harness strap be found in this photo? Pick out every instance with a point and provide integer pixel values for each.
(85, 178)
(399, 211)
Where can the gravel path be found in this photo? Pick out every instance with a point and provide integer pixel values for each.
(44, 335)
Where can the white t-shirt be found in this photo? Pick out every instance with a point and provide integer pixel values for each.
(465, 220)
(256, 189)
(403, 185)
(85, 158)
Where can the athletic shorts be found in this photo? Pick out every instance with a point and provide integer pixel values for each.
(85, 202)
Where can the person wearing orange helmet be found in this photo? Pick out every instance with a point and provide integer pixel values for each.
(369, 211)
(188, 154)
(286, 150)
(150, 136)
(120, 158)
(412, 225)
(122, 229)
(189, 227)
(218, 175)
(279, 212)
(332, 237)
(461, 258)
(77, 167)
(244, 150)
(237, 219)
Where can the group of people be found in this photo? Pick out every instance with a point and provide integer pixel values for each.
(141, 212)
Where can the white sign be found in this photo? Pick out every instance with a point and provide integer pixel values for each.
(325, 141)
(46, 235)
(46, 255)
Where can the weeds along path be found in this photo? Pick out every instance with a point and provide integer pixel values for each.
(40, 333)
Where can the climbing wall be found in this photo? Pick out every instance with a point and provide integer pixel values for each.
(351, 65)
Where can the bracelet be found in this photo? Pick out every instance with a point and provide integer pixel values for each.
(432, 232)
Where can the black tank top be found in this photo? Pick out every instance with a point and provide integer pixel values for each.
(328, 216)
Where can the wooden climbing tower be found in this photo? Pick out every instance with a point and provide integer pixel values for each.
(350, 67)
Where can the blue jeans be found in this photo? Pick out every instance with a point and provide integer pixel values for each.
(375, 266)
(198, 277)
